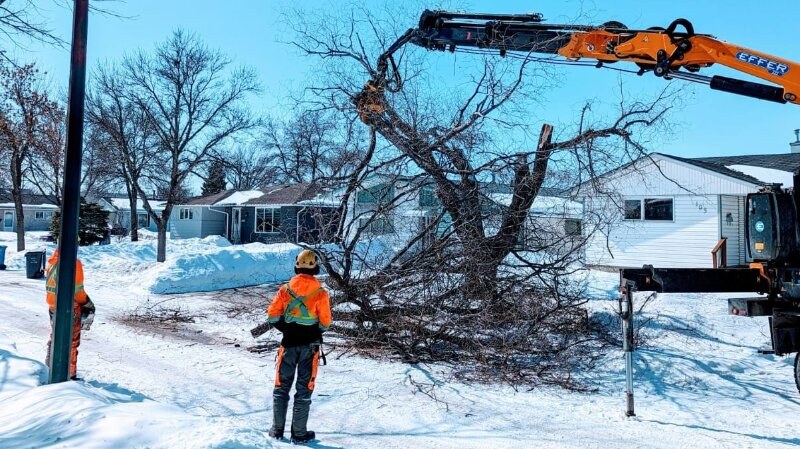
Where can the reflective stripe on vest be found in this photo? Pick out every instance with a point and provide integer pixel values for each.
(52, 281)
(298, 303)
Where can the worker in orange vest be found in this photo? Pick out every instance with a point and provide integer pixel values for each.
(301, 310)
(82, 314)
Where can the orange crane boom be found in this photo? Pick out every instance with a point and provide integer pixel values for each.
(666, 52)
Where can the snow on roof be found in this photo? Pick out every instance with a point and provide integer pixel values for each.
(544, 205)
(765, 175)
(239, 198)
(124, 204)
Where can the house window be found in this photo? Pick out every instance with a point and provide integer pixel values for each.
(381, 194)
(658, 209)
(633, 209)
(572, 227)
(377, 226)
(649, 209)
(143, 220)
(43, 215)
(268, 220)
(427, 198)
(186, 213)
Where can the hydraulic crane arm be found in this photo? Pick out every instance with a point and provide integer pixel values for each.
(667, 52)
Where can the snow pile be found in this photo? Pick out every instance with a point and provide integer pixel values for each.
(146, 234)
(240, 266)
(18, 373)
(95, 415)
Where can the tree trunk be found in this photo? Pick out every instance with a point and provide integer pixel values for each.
(161, 223)
(162, 241)
(19, 224)
(134, 220)
(133, 199)
(16, 193)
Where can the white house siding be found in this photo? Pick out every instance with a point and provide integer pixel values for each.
(732, 227)
(686, 241)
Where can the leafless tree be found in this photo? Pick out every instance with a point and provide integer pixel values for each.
(126, 141)
(22, 21)
(100, 166)
(23, 18)
(427, 301)
(313, 146)
(45, 167)
(248, 166)
(194, 102)
(26, 114)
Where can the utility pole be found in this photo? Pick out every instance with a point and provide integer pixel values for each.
(68, 241)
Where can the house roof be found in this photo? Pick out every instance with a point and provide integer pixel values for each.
(28, 199)
(717, 167)
(209, 200)
(754, 168)
(285, 194)
(282, 194)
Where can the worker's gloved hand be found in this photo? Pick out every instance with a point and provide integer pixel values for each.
(89, 306)
(86, 321)
(87, 314)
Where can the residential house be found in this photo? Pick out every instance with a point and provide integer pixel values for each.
(553, 224)
(670, 211)
(119, 212)
(553, 221)
(37, 209)
(282, 213)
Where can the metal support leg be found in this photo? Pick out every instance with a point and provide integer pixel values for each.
(626, 307)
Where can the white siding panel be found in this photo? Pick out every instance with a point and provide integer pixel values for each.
(684, 242)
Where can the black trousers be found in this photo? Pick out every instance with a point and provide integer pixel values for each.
(302, 361)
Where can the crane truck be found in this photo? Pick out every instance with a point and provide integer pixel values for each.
(674, 52)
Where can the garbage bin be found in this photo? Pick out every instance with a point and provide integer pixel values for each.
(2, 257)
(34, 264)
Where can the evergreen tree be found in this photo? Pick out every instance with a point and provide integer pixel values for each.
(215, 181)
(92, 225)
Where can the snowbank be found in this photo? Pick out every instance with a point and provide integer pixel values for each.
(95, 415)
(232, 267)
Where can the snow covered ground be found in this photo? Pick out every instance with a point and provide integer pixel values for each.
(699, 383)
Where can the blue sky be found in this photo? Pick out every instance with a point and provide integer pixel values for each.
(709, 123)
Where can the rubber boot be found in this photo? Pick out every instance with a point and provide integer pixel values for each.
(305, 438)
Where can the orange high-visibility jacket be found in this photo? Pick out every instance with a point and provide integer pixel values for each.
(52, 281)
(306, 300)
